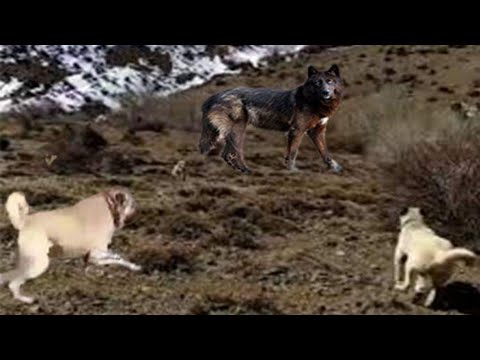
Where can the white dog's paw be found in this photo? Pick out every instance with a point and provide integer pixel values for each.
(25, 299)
(430, 298)
(135, 267)
(335, 167)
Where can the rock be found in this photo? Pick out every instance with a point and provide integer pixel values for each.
(35, 309)
(466, 110)
(184, 78)
(4, 144)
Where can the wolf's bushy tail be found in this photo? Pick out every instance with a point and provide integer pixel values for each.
(17, 209)
(453, 255)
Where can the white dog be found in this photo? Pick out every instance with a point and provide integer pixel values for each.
(428, 258)
(84, 229)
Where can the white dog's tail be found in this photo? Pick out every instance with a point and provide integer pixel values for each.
(17, 209)
(454, 255)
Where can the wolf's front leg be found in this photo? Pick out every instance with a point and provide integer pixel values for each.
(294, 138)
(100, 257)
(318, 136)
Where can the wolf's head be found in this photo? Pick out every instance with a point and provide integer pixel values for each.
(325, 86)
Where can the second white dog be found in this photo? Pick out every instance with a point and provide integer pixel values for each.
(425, 258)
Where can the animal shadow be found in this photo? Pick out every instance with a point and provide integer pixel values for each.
(460, 296)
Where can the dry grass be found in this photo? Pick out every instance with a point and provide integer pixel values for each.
(431, 157)
(275, 242)
(382, 124)
(441, 175)
(180, 111)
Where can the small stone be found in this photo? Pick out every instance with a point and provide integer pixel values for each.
(340, 253)
(35, 309)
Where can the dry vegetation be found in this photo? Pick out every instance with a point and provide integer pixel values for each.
(430, 157)
(312, 242)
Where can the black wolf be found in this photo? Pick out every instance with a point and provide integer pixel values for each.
(304, 110)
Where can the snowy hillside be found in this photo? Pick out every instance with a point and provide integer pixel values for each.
(73, 77)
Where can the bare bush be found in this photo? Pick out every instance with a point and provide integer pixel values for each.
(431, 158)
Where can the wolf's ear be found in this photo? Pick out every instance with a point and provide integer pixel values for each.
(334, 69)
(312, 71)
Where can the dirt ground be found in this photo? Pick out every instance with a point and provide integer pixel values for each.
(273, 242)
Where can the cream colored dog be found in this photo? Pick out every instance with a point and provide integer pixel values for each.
(428, 259)
(84, 229)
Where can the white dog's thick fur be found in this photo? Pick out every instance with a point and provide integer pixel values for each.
(426, 258)
(84, 229)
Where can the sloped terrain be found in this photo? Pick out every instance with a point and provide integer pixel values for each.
(96, 78)
(274, 242)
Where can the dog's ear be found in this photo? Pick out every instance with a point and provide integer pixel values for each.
(335, 70)
(470, 262)
(403, 211)
(312, 71)
(120, 198)
(421, 212)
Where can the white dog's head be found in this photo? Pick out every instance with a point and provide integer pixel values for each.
(411, 214)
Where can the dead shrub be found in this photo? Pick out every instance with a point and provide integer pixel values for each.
(430, 157)
(441, 177)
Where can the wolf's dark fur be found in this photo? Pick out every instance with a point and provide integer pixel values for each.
(297, 111)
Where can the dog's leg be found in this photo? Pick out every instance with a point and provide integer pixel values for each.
(318, 136)
(422, 284)
(14, 287)
(7, 276)
(410, 274)
(439, 279)
(430, 297)
(30, 269)
(33, 262)
(233, 151)
(294, 138)
(398, 265)
(100, 257)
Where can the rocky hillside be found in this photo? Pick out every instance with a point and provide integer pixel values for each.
(77, 77)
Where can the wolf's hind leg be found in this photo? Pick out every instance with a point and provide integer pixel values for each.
(216, 149)
(215, 126)
(233, 151)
